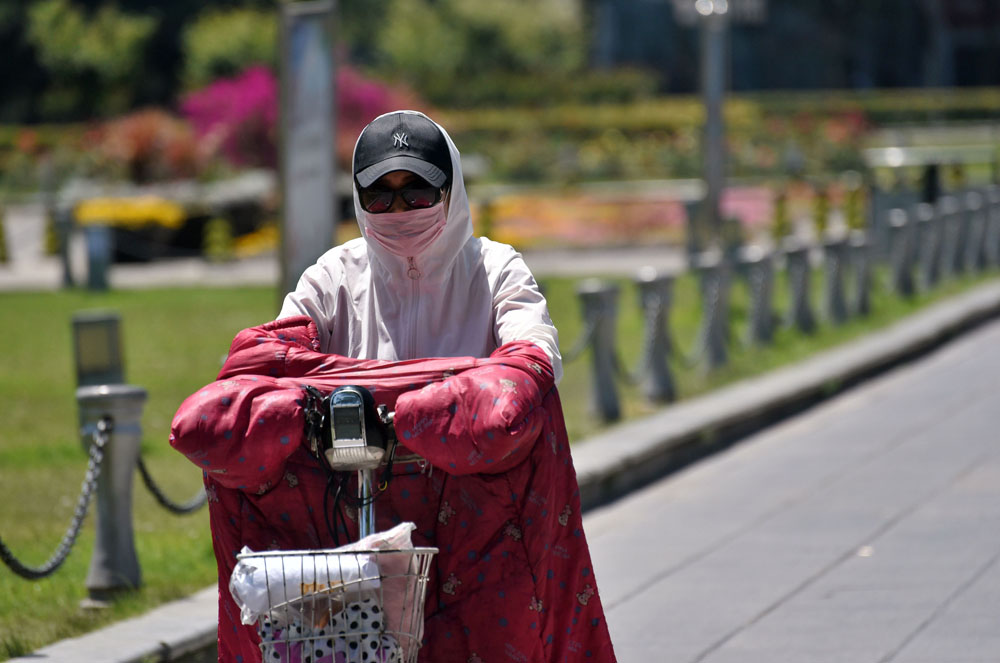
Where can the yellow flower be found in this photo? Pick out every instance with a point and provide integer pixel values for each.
(131, 212)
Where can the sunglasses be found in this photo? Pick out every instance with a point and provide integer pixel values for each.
(416, 195)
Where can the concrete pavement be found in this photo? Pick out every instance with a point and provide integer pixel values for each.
(866, 530)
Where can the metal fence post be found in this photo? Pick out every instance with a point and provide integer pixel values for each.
(900, 252)
(963, 223)
(861, 266)
(758, 265)
(882, 202)
(600, 309)
(62, 220)
(100, 250)
(992, 241)
(948, 213)
(928, 244)
(975, 232)
(833, 262)
(799, 277)
(114, 565)
(655, 293)
(714, 283)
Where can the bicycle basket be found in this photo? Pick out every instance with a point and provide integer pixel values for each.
(328, 606)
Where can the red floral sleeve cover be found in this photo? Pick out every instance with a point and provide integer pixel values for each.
(483, 469)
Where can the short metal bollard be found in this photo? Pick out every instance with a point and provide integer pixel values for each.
(861, 266)
(799, 272)
(900, 253)
(114, 565)
(655, 291)
(834, 250)
(600, 309)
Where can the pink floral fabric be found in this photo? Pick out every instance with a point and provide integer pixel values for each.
(484, 470)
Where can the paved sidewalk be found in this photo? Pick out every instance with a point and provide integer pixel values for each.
(866, 530)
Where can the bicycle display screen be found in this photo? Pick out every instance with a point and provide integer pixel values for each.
(347, 415)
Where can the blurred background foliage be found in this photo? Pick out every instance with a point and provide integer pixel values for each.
(221, 43)
(147, 91)
(79, 59)
(93, 59)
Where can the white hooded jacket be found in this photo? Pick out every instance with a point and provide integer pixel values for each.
(462, 296)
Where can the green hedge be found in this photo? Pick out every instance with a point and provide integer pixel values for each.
(769, 134)
(880, 107)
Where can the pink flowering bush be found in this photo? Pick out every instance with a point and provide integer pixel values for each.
(240, 115)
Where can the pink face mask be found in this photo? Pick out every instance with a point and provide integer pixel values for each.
(407, 234)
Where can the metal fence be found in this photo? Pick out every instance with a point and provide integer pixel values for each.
(917, 245)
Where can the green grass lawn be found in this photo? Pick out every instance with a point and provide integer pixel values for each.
(174, 342)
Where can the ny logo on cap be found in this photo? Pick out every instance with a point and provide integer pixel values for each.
(399, 140)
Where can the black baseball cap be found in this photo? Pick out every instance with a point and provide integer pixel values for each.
(402, 141)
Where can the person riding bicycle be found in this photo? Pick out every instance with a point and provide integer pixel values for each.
(451, 331)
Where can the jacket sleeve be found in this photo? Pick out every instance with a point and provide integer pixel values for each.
(521, 312)
(242, 428)
(315, 295)
(241, 431)
(482, 420)
(287, 347)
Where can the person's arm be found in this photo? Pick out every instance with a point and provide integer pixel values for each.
(483, 420)
(315, 295)
(242, 428)
(521, 312)
(241, 431)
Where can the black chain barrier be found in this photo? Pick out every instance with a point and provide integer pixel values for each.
(583, 341)
(181, 509)
(634, 376)
(101, 435)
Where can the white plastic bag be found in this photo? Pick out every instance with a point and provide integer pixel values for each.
(262, 583)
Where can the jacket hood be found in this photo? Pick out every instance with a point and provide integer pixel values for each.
(433, 262)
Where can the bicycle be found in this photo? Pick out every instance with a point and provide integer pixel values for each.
(360, 603)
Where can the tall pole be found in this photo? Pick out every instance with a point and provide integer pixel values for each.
(308, 168)
(714, 18)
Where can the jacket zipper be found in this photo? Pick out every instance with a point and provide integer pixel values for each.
(414, 273)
